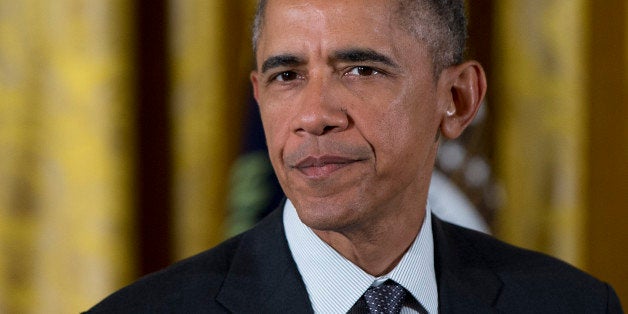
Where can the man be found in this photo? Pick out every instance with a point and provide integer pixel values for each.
(354, 95)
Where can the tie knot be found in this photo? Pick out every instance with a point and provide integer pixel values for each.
(385, 298)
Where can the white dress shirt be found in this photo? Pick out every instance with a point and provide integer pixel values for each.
(334, 284)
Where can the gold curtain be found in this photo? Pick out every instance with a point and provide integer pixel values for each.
(540, 88)
(65, 153)
(211, 59)
(561, 69)
(608, 149)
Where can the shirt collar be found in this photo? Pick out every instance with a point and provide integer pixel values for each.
(334, 283)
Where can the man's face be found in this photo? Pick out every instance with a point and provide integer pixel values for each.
(349, 106)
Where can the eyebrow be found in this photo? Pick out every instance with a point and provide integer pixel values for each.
(280, 61)
(347, 55)
(361, 55)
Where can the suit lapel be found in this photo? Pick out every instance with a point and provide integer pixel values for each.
(263, 277)
(465, 283)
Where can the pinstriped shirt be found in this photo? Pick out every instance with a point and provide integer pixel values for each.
(335, 284)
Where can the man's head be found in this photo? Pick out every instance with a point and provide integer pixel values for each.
(441, 24)
(352, 109)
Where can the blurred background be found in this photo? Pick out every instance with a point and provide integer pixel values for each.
(129, 138)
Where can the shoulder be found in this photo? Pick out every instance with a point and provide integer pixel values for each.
(193, 284)
(528, 277)
(195, 280)
(507, 259)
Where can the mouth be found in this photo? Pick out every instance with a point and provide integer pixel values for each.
(323, 166)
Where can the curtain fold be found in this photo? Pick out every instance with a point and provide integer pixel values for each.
(65, 188)
(211, 59)
(540, 88)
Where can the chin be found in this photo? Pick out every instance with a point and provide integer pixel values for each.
(327, 216)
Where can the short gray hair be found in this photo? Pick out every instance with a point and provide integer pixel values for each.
(441, 24)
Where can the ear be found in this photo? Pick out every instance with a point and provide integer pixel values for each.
(461, 89)
(255, 82)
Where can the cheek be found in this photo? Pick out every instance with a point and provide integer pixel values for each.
(276, 130)
(269, 121)
(404, 132)
(395, 138)
(393, 117)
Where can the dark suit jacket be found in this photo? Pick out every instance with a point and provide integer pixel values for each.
(255, 273)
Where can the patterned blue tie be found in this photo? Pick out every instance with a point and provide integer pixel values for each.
(385, 298)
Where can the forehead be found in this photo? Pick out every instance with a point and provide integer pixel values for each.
(332, 24)
(382, 7)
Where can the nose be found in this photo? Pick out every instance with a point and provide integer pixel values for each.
(320, 109)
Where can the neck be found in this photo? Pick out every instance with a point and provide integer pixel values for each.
(379, 247)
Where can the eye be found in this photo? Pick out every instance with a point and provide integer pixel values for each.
(286, 76)
(362, 71)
